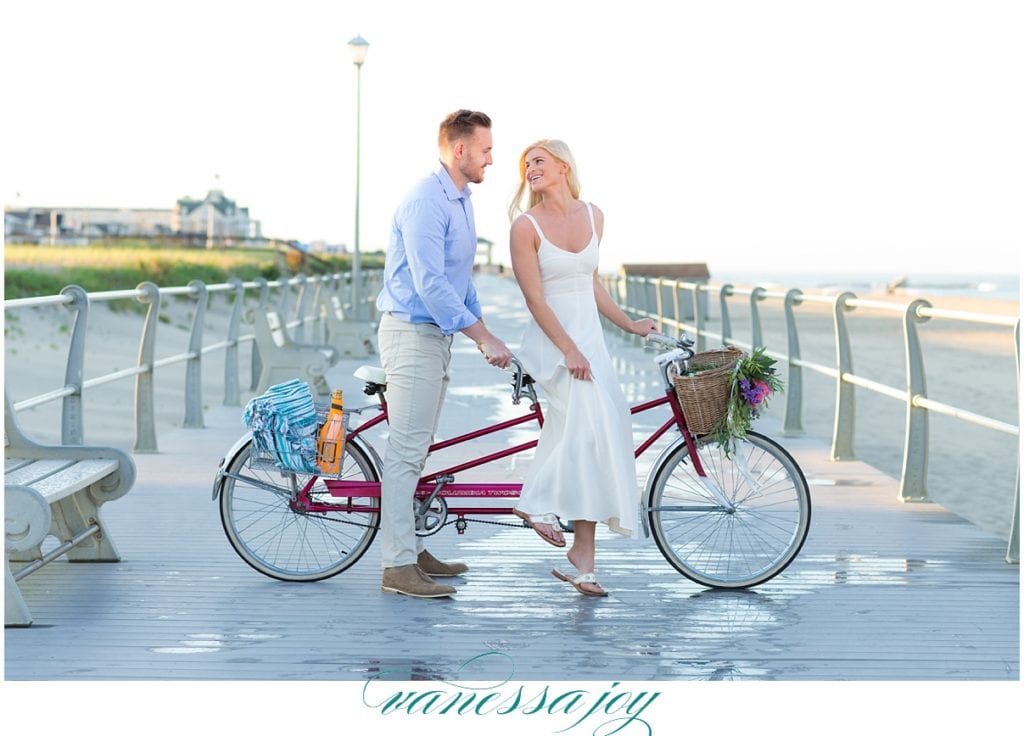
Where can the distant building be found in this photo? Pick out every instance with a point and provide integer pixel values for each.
(213, 219)
(215, 216)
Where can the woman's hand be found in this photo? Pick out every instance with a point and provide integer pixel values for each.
(578, 366)
(643, 327)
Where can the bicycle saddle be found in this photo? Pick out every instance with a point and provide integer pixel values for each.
(372, 374)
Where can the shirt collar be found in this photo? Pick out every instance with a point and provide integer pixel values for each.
(449, 186)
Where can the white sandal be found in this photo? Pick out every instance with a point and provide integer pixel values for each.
(578, 581)
(549, 519)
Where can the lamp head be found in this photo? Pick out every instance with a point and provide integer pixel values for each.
(358, 47)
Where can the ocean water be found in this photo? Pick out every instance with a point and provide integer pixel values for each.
(981, 286)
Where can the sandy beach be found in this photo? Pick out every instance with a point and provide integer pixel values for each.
(971, 469)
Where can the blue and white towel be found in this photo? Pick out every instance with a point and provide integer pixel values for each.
(283, 422)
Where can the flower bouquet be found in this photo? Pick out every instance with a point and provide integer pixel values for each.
(752, 382)
(722, 392)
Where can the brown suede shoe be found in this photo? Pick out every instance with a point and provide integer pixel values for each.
(407, 580)
(433, 566)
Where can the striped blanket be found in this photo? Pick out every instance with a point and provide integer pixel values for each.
(283, 422)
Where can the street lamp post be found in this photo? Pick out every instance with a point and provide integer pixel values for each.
(358, 47)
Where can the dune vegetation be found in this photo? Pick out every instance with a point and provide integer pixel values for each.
(43, 270)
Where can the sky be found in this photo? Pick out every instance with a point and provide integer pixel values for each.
(755, 136)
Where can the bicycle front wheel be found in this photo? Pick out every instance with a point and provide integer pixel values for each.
(738, 526)
(282, 541)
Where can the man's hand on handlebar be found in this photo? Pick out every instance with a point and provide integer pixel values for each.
(495, 352)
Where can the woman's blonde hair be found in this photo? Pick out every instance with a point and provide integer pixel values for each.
(561, 152)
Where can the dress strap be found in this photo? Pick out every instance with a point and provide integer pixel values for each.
(535, 225)
(590, 211)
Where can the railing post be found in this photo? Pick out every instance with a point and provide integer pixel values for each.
(320, 329)
(145, 413)
(792, 423)
(257, 362)
(658, 303)
(619, 293)
(842, 431)
(194, 363)
(914, 477)
(371, 286)
(71, 425)
(1013, 548)
(345, 292)
(676, 285)
(644, 296)
(756, 295)
(301, 305)
(286, 288)
(335, 289)
(723, 293)
(628, 297)
(699, 314)
(232, 389)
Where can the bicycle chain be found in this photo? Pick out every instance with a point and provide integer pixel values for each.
(513, 524)
(487, 521)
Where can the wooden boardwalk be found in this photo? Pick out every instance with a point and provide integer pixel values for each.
(881, 591)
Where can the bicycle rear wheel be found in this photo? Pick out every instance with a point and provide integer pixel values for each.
(739, 545)
(280, 541)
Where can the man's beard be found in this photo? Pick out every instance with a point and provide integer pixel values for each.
(472, 176)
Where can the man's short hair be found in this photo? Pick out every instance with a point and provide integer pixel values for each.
(460, 124)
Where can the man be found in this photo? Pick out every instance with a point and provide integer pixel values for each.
(427, 297)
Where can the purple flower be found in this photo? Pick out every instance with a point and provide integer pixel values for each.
(749, 391)
(754, 392)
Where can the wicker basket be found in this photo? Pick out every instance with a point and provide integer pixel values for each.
(704, 396)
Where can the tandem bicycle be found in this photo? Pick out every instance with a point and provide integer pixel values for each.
(724, 519)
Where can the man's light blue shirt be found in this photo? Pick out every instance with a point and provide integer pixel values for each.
(429, 266)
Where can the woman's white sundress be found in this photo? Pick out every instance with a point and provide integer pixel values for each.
(583, 467)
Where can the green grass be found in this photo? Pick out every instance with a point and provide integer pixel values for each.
(43, 270)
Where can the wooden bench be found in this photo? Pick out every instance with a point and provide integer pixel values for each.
(55, 490)
(282, 359)
(351, 339)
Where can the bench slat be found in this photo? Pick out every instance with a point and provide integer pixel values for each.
(55, 483)
(13, 463)
(29, 470)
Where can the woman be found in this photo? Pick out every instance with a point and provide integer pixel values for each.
(583, 468)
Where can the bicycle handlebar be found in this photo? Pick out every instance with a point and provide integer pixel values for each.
(517, 380)
(684, 341)
(682, 351)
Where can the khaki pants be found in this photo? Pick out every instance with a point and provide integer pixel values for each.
(416, 358)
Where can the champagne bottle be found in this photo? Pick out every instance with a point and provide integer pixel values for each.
(332, 437)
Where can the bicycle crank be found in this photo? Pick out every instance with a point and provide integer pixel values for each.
(431, 519)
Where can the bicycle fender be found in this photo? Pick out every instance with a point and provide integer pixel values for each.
(225, 461)
(371, 452)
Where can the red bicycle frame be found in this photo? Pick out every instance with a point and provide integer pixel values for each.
(361, 489)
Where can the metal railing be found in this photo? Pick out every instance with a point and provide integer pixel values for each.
(682, 305)
(298, 298)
